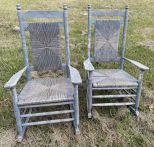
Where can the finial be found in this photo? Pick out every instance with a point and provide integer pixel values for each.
(126, 7)
(65, 7)
(89, 6)
(18, 6)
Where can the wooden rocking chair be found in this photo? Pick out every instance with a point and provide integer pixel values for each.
(106, 38)
(46, 56)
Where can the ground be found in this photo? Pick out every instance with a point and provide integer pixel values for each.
(111, 126)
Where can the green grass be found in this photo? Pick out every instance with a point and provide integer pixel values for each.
(111, 126)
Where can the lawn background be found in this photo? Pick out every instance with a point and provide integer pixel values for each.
(111, 126)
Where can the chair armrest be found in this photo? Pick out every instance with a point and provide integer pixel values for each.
(75, 75)
(14, 79)
(88, 65)
(139, 65)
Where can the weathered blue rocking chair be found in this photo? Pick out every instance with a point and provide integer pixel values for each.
(46, 55)
(106, 38)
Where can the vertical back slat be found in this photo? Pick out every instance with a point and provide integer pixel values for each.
(23, 39)
(89, 31)
(65, 17)
(124, 37)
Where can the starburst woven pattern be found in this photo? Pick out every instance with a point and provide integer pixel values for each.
(45, 42)
(46, 90)
(106, 40)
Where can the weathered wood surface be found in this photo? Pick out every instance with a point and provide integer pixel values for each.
(47, 113)
(114, 88)
(26, 24)
(23, 40)
(66, 32)
(124, 37)
(47, 122)
(89, 31)
(75, 75)
(46, 105)
(101, 12)
(137, 64)
(88, 65)
(42, 14)
(113, 96)
(15, 78)
(93, 21)
(114, 104)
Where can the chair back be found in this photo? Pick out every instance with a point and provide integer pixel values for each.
(106, 34)
(45, 39)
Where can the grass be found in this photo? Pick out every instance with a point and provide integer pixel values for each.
(110, 126)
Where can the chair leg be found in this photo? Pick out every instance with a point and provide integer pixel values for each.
(138, 93)
(72, 114)
(20, 129)
(137, 100)
(76, 108)
(89, 95)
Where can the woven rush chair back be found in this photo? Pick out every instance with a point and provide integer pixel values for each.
(45, 39)
(106, 34)
(106, 40)
(45, 43)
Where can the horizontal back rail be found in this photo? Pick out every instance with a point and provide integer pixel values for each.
(108, 12)
(93, 21)
(42, 14)
(25, 24)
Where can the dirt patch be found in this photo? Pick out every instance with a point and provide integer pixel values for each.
(145, 31)
(121, 112)
(7, 138)
(148, 97)
(148, 43)
(43, 74)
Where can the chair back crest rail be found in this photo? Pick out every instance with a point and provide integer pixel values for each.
(106, 34)
(45, 39)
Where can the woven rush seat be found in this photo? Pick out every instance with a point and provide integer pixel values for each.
(113, 78)
(46, 90)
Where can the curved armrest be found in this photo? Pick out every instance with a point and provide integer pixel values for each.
(88, 65)
(15, 78)
(139, 65)
(75, 75)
